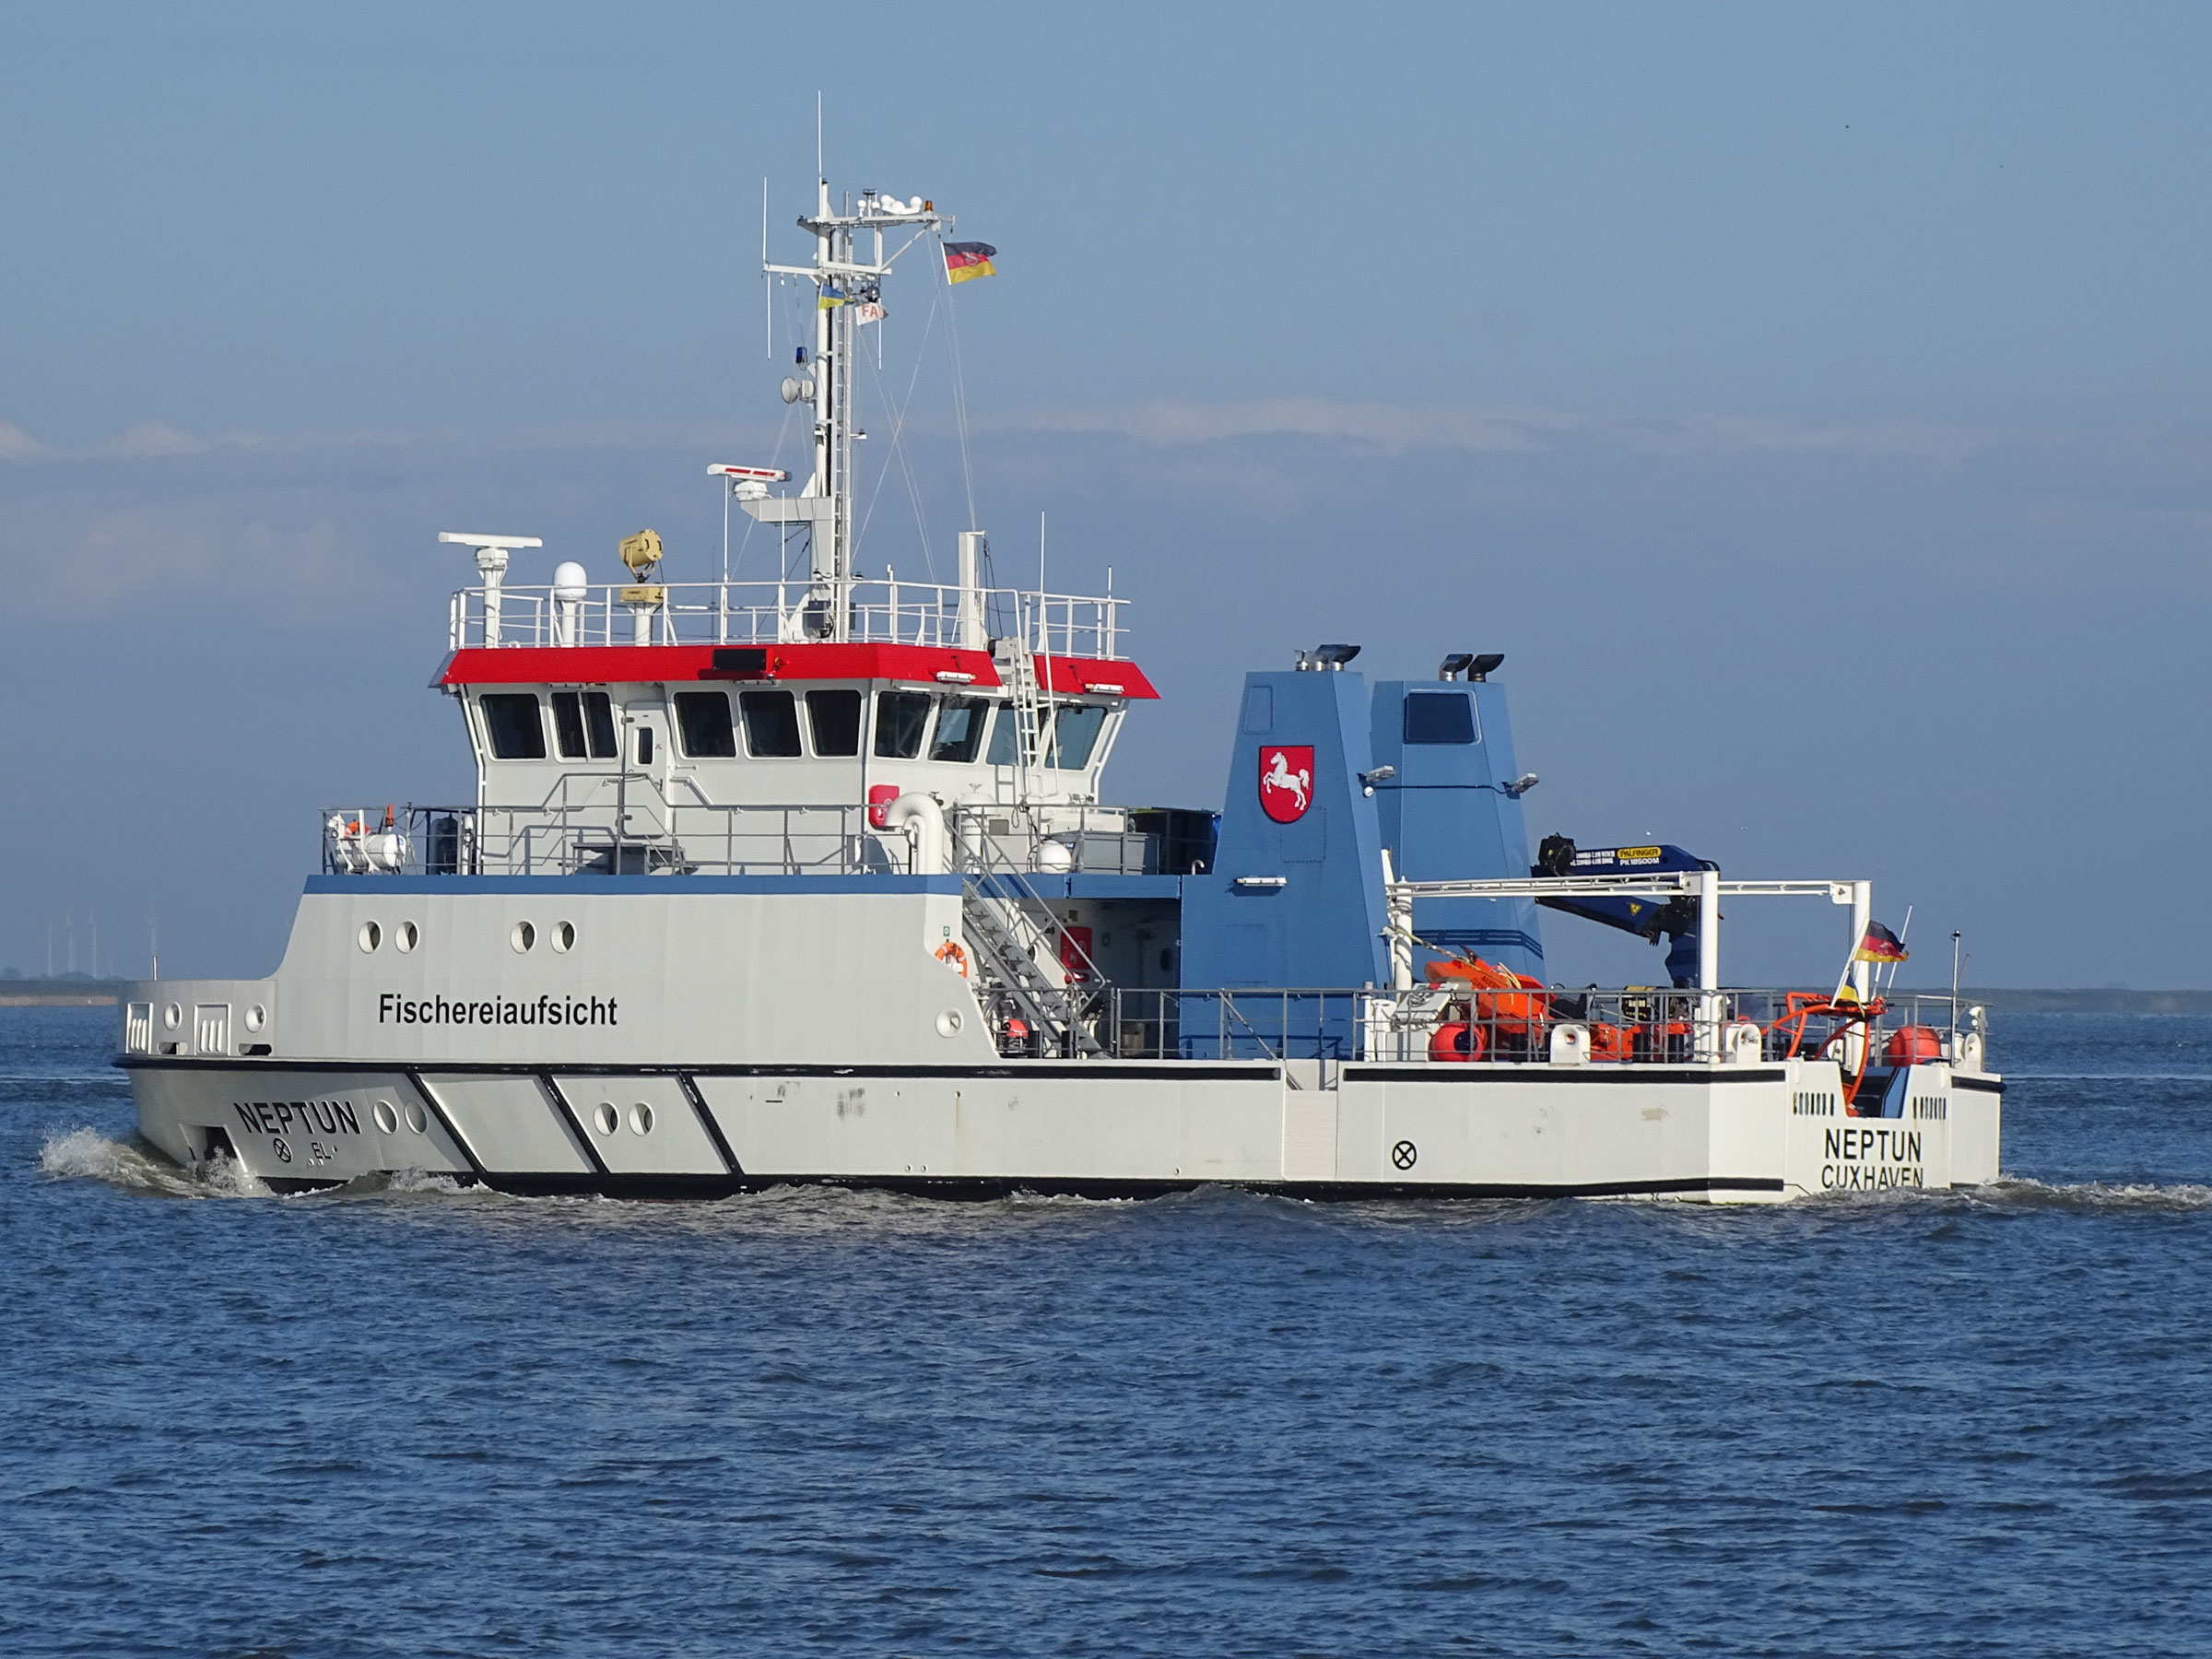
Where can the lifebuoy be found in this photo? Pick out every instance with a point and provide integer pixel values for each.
(1458, 1041)
(952, 955)
(1910, 1044)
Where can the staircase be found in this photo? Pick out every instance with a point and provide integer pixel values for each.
(996, 928)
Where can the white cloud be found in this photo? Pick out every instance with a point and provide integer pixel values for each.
(16, 444)
(1400, 428)
(180, 553)
(153, 439)
(1382, 426)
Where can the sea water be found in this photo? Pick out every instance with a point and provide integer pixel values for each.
(409, 1419)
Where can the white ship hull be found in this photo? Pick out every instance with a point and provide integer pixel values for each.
(1106, 1130)
(830, 1046)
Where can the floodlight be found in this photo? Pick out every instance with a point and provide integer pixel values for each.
(1453, 666)
(1335, 656)
(1487, 664)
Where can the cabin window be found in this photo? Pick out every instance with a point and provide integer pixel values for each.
(959, 729)
(1075, 734)
(703, 719)
(512, 723)
(1005, 739)
(645, 745)
(585, 722)
(1440, 717)
(900, 719)
(772, 722)
(835, 716)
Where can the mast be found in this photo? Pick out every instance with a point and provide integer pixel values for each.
(841, 281)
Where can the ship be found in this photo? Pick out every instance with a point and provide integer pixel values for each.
(812, 880)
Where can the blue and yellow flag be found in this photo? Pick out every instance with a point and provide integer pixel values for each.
(830, 298)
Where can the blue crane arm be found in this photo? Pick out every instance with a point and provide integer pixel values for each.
(1677, 918)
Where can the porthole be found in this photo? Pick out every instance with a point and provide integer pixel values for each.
(523, 937)
(406, 936)
(604, 1118)
(371, 936)
(417, 1119)
(386, 1119)
(641, 1118)
(256, 1017)
(173, 1016)
(564, 936)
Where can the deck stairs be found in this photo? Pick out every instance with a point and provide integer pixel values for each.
(1005, 939)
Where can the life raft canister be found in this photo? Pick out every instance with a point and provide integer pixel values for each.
(1522, 1008)
(1912, 1043)
(1458, 1041)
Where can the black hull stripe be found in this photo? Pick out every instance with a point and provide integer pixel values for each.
(461, 1144)
(1195, 1071)
(1447, 1071)
(713, 1129)
(576, 1131)
(976, 1189)
(1977, 1085)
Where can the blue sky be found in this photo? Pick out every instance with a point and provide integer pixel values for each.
(1812, 404)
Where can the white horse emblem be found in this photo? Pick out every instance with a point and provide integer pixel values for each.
(1287, 783)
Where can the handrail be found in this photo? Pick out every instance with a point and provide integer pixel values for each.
(891, 611)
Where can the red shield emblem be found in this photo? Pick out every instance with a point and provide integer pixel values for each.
(1286, 781)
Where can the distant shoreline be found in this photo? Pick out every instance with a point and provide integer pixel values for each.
(60, 993)
(105, 994)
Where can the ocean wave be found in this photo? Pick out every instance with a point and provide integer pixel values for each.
(87, 1154)
(2125, 1076)
(2091, 1197)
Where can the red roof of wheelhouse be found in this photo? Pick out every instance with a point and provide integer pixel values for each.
(811, 660)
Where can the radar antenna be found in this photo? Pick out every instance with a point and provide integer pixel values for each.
(822, 380)
(491, 564)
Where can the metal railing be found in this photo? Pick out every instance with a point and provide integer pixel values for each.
(573, 829)
(1050, 839)
(658, 838)
(887, 612)
(1446, 1025)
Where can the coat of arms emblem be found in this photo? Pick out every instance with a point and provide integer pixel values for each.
(1286, 781)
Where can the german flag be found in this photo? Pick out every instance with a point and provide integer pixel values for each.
(963, 260)
(1880, 946)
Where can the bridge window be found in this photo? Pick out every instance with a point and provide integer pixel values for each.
(1440, 717)
(703, 719)
(1074, 734)
(585, 722)
(1006, 739)
(901, 717)
(835, 716)
(512, 723)
(772, 722)
(959, 729)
